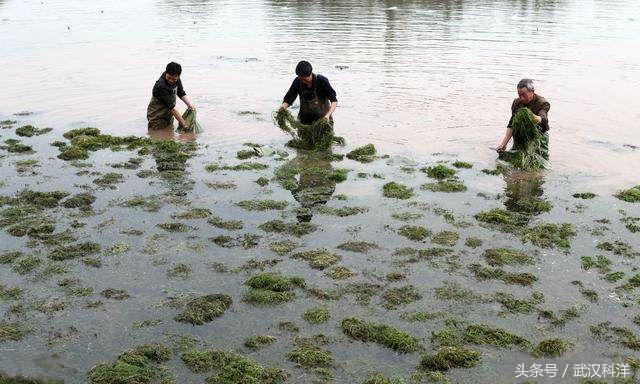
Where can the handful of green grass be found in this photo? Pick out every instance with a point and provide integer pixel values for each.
(193, 126)
(316, 136)
(530, 146)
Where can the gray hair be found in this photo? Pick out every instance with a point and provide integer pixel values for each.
(526, 83)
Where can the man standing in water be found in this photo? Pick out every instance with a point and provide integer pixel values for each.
(536, 103)
(162, 107)
(317, 97)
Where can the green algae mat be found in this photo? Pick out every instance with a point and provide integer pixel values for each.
(129, 260)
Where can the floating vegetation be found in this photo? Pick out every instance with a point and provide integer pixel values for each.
(631, 195)
(455, 292)
(632, 223)
(271, 288)
(230, 367)
(15, 146)
(148, 204)
(584, 195)
(421, 316)
(137, 366)
(246, 241)
(400, 296)
(4, 124)
(310, 356)
(205, 309)
(283, 247)
(26, 265)
(317, 315)
(340, 273)
(262, 181)
(244, 154)
(407, 216)
(514, 304)
(245, 166)
(175, 227)
(439, 172)
(180, 271)
(74, 251)
(382, 334)
(24, 166)
(364, 154)
(447, 238)
(192, 214)
(396, 191)
(295, 229)
(116, 294)
(445, 186)
(473, 242)
(220, 185)
(318, 258)
(260, 341)
(550, 235)
(507, 256)
(530, 145)
(109, 180)
(504, 220)
(551, 348)
(588, 294)
(358, 246)
(462, 164)
(342, 211)
(231, 225)
(317, 136)
(618, 335)
(484, 273)
(414, 232)
(619, 248)
(83, 201)
(447, 357)
(262, 205)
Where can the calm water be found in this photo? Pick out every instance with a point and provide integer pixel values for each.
(422, 76)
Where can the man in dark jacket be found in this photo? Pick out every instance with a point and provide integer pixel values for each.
(527, 98)
(317, 97)
(162, 107)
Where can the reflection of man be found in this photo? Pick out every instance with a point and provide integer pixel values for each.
(162, 107)
(317, 97)
(529, 99)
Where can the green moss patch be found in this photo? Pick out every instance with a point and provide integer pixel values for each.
(617, 335)
(484, 273)
(343, 211)
(262, 205)
(15, 146)
(507, 256)
(383, 334)
(455, 292)
(260, 341)
(115, 294)
(205, 309)
(484, 334)
(83, 201)
(550, 235)
(414, 232)
(364, 154)
(310, 356)
(283, 247)
(447, 238)
(340, 273)
(397, 191)
(109, 180)
(230, 368)
(632, 223)
(148, 204)
(192, 214)
(504, 220)
(138, 366)
(445, 186)
(619, 248)
(462, 164)
(514, 304)
(271, 288)
(230, 225)
(318, 258)
(400, 296)
(447, 358)
(439, 172)
(584, 195)
(473, 242)
(12, 331)
(631, 195)
(74, 251)
(245, 166)
(421, 316)
(551, 348)
(295, 229)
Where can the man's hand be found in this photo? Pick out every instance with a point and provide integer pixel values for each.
(501, 148)
(538, 119)
(193, 107)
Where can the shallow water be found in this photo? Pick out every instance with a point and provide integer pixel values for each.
(422, 77)
(465, 53)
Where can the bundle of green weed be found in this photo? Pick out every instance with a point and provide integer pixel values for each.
(530, 146)
(316, 136)
(193, 126)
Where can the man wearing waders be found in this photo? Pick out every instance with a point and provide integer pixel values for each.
(528, 98)
(162, 107)
(317, 97)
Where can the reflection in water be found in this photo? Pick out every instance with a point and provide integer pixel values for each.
(309, 177)
(524, 193)
(171, 160)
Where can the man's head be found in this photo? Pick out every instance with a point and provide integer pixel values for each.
(526, 90)
(304, 72)
(172, 73)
